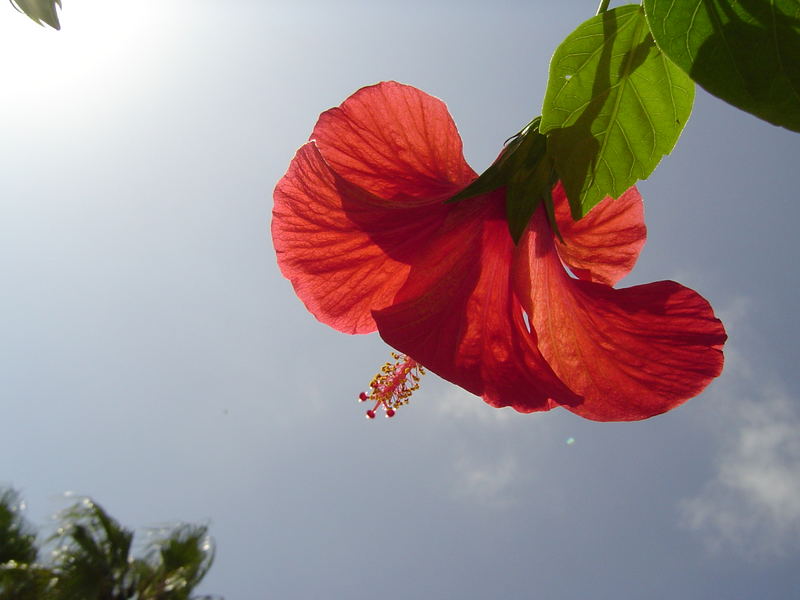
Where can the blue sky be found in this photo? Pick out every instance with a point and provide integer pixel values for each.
(152, 356)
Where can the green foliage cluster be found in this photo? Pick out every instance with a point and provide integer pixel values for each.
(92, 558)
(614, 106)
(621, 88)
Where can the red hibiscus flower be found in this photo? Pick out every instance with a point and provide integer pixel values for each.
(362, 230)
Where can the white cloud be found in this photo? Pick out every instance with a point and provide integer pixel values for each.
(481, 474)
(455, 402)
(488, 482)
(752, 502)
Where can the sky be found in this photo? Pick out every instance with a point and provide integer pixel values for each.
(153, 358)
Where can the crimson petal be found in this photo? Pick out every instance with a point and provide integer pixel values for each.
(396, 142)
(345, 251)
(602, 246)
(356, 208)
(630, 353)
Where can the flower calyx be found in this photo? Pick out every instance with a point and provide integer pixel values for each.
(526, 172)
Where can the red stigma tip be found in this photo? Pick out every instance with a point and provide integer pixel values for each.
(362, 397)
(370, 414)
(389, 413)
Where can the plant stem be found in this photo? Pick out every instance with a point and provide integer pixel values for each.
(603, 6)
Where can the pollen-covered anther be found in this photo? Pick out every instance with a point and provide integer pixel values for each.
(392, 387)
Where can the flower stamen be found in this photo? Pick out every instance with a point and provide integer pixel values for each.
(392, 387)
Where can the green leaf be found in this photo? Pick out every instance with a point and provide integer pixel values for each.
(41, 11)
(745, 52)
(614, 106)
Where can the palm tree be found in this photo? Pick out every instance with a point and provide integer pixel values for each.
(21, 578)
(93, 559)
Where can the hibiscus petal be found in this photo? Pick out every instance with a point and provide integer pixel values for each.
(458, 317)
(395, 142)
(631, 353)
(345, 251)
(602, 246)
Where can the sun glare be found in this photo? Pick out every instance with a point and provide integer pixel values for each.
(43, 68)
